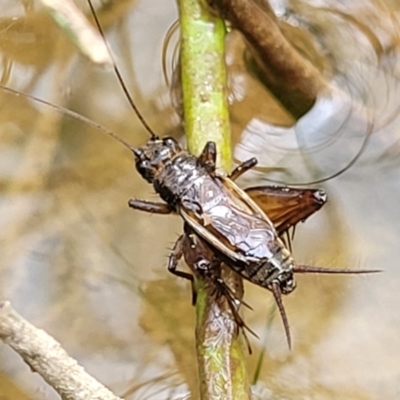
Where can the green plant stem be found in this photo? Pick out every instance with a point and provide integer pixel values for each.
(203, 76)
(220, 351)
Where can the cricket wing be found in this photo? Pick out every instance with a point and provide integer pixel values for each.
(209, 237)
(287, 206)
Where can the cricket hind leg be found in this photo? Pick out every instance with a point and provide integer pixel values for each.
(203, 262)
(208, 157)
(222, 289)
(150, 206)
(242, 168)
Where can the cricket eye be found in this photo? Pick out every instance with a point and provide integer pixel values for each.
(169, 141)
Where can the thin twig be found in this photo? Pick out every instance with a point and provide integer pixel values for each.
(46, 357)
(286, 73)
(77, 27)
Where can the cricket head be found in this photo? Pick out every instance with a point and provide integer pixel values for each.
(152, 157)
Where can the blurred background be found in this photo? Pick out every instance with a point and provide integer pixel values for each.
(78, 263)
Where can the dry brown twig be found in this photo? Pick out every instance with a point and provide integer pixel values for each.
(45, 356)
(292, 78)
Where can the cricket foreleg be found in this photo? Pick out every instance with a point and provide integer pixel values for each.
(208, 157)
(242, 168)
(150, 206)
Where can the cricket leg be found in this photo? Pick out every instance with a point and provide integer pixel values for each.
(242, 168)
(201, 259)
(174, 257)
(208, 157)
(212, 272)
(150, 206)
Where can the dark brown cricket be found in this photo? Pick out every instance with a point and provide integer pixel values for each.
(236, 227)
(242, 228)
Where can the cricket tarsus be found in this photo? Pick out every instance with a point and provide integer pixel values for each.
(242, 168)
(119, 76)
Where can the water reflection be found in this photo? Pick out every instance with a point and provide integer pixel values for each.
(80, 264)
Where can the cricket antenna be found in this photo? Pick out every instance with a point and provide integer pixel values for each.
(119, 76)
(70, 113)
(278, 299)
(323, 270)
(329, 177)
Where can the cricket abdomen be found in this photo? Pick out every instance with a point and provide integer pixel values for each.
(278, 268)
